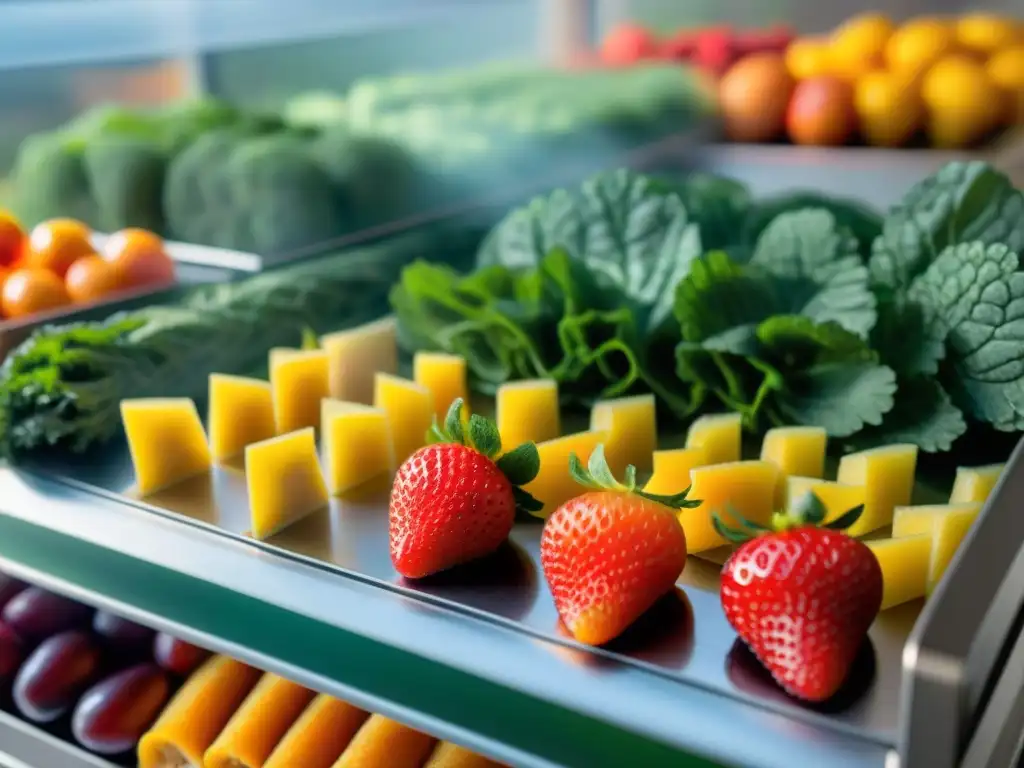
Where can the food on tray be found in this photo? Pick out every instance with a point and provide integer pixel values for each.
(357, 444)
(718, 435)
(631, 424)
(905, 563)
(91, 278)
(53, 246)
(111, 716)
(177, 656)
(796, 451)
(753, 97)
(975, 483)
(284, 480)
(746, 488)
(12, 652)
(34, 614)
(30, 290)
(456, 500)
(166, 440)
(887, 475)
(672, 468)
(410, 410)
(444, 376)
(55, 674)
(12, 239)
(9, 587)
(822, 112)
(196, 714)
(120, 633)
(298, 380)
(836, 498)
(611, 552)
(528, 411)
(264, 717)
(241, 412)
(947, 525)
(449, 755)
(553, 485)
(139, 258)
(381, 741)
(828, 584)
(319, 736)
(357, 355)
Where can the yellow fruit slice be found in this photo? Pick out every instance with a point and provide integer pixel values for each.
(319, 736)
(837, 498)
(553, 485)
(887, 475)
(719, 435)
(921, 518)
(383, 742)
(166, 441)
(284, 480)
(527, 411)
(410, 410)
(905, 566)
(241, 412)
(947, 526)
(796, 451)
(298, 380)
(975, 483)
(357, 444)
(357, 355)
(445, 376)
(448, 755)
(671, 473)
(632, 430)
(748, 487)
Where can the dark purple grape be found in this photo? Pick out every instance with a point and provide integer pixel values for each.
(114, 713)
(12, 652)
(119, 632)
(35, 614)
(9, 587)
(56, 673)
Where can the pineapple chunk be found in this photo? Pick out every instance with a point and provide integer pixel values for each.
(905, 563)
(672, 470)
(445, 376)
(166, 441)
(837, 498)
(975, 483)
(947, 536)
(357, 355)
(357, 444)
(748, 487)
(632, 431)
(298, 379)
(527, 411)
(553, 485)
(910, 521)
(796, 451)
(719, 435)
(887, 474)
(241, 412)
(284, 480)
(410, 410)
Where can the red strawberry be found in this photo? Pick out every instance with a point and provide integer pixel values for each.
(452, 501)
(628, 44)
(609, 554)
(802, 597)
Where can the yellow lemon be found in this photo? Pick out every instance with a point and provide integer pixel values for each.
(808, 57)
(858, 46)
(964, 106)
(918, 44)
(985, 33)
(1006, 69)
(889, 108)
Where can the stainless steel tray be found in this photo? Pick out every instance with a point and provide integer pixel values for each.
(22, 745)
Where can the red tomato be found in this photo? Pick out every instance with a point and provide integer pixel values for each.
(92, 277)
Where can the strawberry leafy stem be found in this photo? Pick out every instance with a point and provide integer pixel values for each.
(520, 465)
(598, 476)
(809, 511)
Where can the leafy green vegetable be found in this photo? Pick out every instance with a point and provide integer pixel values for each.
(922, 414)
(859, 220)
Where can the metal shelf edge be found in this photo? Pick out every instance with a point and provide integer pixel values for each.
(24, 746)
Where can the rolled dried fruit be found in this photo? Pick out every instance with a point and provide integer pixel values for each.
(35, 614)
(449, 755)
(56, 673)
(254, 730)
(197, 713)
(319, 736)
(385, 742)
(112, 715)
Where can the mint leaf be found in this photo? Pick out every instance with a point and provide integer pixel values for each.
(861, 221)
(909, 340)
(963, 202)
(976, 293)
(923, 414)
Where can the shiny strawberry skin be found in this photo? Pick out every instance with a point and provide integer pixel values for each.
(449, 504)
(607, 557)
(803, 600)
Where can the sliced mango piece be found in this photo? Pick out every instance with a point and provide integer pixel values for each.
(382, 742)
(887, 474)
(410, 410)
(837, 498)
(355, 356)
(796, 451)
(445, 376)
(319, 736)
(921, 518)
(719, 435)
(357, 444)
(905, 566)
(298, 379)
(672, 470)
(527, 411)
(947, 536)
(554, 485)
(166, 441)
(975, 483)
(748, 487)
(284, 480)
(241, 412)
(632, 430)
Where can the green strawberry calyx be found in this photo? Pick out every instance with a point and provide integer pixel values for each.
(520, 465)
(598, 476)
(808, 512)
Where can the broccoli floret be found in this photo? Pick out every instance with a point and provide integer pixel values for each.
(181, 124)
(126, 175)
(109, 119)
(196, 192)
(50, 180)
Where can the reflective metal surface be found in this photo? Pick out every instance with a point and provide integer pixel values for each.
(25, 746)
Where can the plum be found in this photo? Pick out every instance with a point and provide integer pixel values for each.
(176, 655)
(34, 614)
(112, 715)
(119, 632)
(12, 652)
(52, 678)
(9, 587)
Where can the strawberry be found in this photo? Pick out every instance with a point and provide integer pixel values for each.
(453, 501)
(802, 596)
(609, 554)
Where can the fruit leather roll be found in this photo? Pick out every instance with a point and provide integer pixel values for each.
(319, 736)
(448, 755)
(196, 714)
(382, 742)
(254, 730)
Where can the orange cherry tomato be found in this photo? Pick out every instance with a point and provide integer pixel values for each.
(12, 239)
(90, 278)
(28, 291)
(140, 258)
(57, 244)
